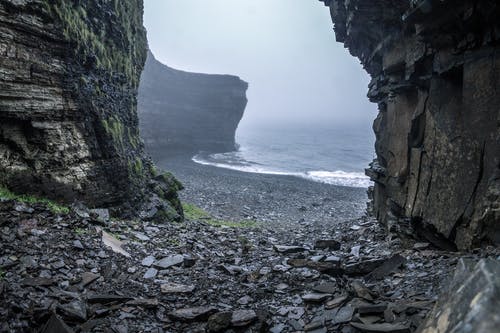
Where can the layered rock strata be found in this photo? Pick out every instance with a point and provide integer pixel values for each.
(69, 74)
(188, 112)
(435, 68)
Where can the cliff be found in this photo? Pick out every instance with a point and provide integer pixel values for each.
(188, 112)
(68, 121)
(435, 68)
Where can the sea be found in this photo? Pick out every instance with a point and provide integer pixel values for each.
(335, 155)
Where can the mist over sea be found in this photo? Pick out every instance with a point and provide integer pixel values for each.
(329, 154)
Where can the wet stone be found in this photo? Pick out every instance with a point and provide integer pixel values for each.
(88, 278)
(75, 310)
(315, 297)
(343, 315)
(371, 309)
(193, 314)
(148, 261)
(326, 288)
(175, 288)
(327, 244)
(150, 273)
(243, 318)
(169, 261)
(78, 245)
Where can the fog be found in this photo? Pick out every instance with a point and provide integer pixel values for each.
(285, 49)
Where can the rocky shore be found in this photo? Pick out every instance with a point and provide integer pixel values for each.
(312, 265)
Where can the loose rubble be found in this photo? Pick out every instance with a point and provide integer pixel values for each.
(194, 277)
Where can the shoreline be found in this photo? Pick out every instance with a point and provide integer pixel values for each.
(238, 195)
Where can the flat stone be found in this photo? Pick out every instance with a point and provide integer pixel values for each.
(78, 245)
(387, 267)
(381, 328)
(101, 214)
(243, 318)
(141, 236)
(38, 282)
(75, 310)
(363, 267)
(169, 261)
(113, 243)
(333, 259)
(199, 313)
(148, 261)
(343, 315)
(371, 309)
(175, 288)
(326, 288)
(315, 297)
(336, 302)
(327, 244)
(420, 246)
(150, 273)
(88, 278)
(289, 249)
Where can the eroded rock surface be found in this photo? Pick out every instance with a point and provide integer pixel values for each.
(188, 112)
(435, 70)
(68, 121)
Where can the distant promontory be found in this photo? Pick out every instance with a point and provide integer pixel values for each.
(188, 112)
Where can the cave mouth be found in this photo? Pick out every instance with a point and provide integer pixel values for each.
(306, 114)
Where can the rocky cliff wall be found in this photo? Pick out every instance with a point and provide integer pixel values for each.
(69, 74)
(435, 67)
(188, 112)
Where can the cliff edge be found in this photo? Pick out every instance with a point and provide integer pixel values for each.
(188, 112)
(435, 68)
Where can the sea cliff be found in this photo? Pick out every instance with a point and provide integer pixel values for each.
(68, 118)
(188, 112)
(435, 71)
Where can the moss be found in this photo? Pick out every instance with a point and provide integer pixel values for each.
(114, 128)
(138, 167)
(169, 179)
(51, 205)
(119, 45)
(167, 215)
(193, 212)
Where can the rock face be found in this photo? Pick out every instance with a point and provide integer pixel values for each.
(435, 68)
(190, 112)
(470, 304)
(68, 122)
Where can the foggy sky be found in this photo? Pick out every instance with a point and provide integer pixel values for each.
(285, 49)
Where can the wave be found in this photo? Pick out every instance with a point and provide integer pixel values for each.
(339, 177)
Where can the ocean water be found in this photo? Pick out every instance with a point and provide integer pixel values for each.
(334, 155)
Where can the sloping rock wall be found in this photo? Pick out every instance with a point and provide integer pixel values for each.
(69, 75)
(435, 67)
(188, 112)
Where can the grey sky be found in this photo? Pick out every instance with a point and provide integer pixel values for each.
(285, 49)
